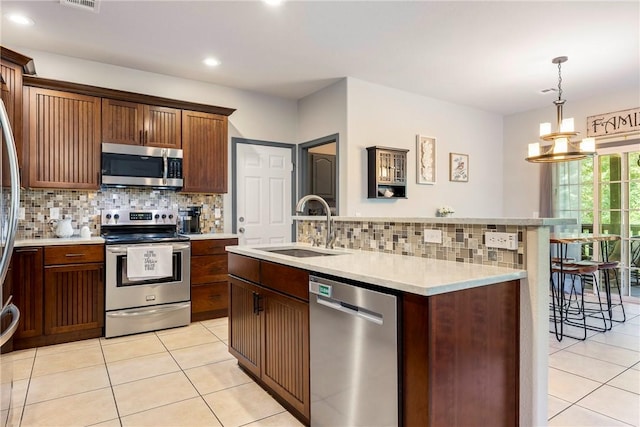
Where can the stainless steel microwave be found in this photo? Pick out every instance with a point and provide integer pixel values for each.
(137, 166)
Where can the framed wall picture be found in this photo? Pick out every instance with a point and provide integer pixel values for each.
(458, 167)
(425, 159)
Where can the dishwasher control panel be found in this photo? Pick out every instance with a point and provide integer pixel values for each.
(318, 288)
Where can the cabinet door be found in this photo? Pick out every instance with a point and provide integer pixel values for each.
(285, 354)
(122, 122)
(28, 291)
(245, 324)
(204, 141)
(162, 127)
(12, 98)
(74, 296)
(64, 140)
(209, 301)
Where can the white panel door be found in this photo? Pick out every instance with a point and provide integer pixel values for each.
(263, 194)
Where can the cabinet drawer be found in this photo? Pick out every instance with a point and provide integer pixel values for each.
(211, 247)
(288, 280)
(73, 254)
(207, 269)
(244, 267)
(209, 297)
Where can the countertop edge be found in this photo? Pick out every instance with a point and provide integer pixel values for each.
(481, 276)
(535, 222)
(58, 241)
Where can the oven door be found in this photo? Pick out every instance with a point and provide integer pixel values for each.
(121, 292)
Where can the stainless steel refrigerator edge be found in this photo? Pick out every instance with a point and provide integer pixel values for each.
(354, 355)
(8, 224)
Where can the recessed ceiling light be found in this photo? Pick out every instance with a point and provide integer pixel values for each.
(273, 2)
(211, 62)
(20, 19)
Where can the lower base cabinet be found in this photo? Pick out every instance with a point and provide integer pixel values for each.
(209, 288)
(269, 329)
(60, 293)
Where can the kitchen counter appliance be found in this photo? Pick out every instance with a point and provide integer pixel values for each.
(126, 165)
(190, 220)
(135, 303)
(354, 355)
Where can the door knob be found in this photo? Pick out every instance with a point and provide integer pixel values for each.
(241, 230)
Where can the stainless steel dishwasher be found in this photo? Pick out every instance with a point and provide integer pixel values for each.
(354, 355)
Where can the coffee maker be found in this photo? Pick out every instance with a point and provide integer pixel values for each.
(190, 219)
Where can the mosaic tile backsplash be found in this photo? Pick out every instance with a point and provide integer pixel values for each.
(84, 207)
(460, 242)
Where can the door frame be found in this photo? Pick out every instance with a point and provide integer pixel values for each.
(303, 172)
(234, 179)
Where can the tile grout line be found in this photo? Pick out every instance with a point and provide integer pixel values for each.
(113, 393)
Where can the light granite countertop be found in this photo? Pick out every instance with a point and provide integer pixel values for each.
(527, 222)
(416, 275)
(95, 240)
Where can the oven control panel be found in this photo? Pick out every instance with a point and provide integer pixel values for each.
(139, 217)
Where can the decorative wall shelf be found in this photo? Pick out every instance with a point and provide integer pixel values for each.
(387, 173)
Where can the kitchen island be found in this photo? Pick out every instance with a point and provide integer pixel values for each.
(459, 329)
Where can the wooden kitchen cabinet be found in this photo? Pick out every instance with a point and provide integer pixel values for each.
(28, 292)
(323, 176)
(63, 139)
(131, 123)
(269, 328)
(60, 293)
(204, 141)
(74, 291)
(209, 288)
(12, 66)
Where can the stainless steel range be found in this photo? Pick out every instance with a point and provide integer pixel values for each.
(147, 269)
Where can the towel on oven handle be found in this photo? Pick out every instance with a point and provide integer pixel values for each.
(149, 262)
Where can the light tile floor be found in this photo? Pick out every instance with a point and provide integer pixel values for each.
(176, 377)
(596, 382)
(186, 377)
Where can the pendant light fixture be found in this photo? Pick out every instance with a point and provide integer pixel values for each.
(561, 149)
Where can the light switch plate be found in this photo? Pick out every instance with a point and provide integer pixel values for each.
(21, 213)
(432, 236)
(501, 240)
(217, 213)
(54, 213)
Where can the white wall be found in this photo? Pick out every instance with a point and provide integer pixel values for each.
(521, 178)
(379, 115)
(324, 113)
(257, 116)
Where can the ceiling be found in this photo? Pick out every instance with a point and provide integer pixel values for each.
(495, 56)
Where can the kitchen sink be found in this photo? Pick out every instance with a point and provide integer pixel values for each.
(299, 252)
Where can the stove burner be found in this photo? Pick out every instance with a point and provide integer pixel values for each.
(133, 227)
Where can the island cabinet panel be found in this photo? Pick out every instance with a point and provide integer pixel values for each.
(131, 123)
(204, 140)
(209, 289)
(64, 139)
(28, 292)
(245, 330)
(461, 357)
(269, 328)
(285, 354)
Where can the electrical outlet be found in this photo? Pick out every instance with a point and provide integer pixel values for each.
(501, 240)
(217, 213)
(432, 236)
(21, 213)
(54, 213)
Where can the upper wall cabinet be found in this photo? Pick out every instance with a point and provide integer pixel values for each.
(63, 139)
(12, 66)
(204, 141)
(139, 124)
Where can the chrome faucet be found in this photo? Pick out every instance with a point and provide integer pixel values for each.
(300, 209)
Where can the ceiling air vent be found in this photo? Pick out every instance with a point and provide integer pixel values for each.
(91, 5)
